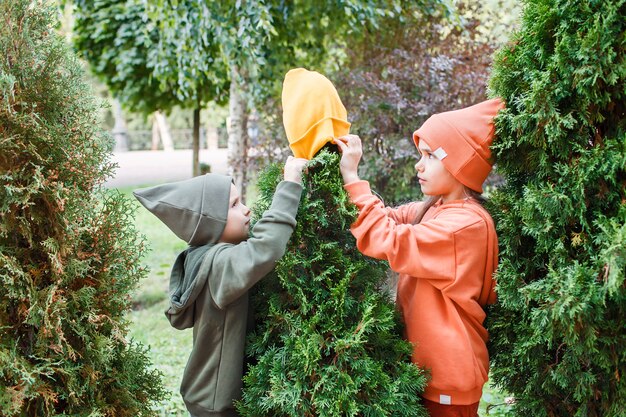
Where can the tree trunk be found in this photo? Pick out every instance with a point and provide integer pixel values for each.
(196, 142)
(164, 131)
(237, 136)
(155, 134)
(120, 131)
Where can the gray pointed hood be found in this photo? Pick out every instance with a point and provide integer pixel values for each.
(195, 209)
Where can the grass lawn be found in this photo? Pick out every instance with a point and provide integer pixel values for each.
(169, 347)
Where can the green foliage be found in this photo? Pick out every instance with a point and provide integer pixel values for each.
(126, 50)
(328, 341)
(263, 39)
(69, 255)
(558, 331)
(113, 38)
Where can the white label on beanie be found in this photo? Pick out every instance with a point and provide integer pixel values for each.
(445, 399)
(440, 153)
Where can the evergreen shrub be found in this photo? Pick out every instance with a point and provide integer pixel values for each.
(328, 340)
(559, 330)
(69, 255)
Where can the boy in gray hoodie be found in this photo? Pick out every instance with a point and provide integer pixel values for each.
(210, 279)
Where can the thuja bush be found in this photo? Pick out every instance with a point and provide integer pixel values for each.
(328, 340)
(69, 256)
(559, 330)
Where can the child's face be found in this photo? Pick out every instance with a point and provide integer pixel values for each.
(434, 178)
(237, 221)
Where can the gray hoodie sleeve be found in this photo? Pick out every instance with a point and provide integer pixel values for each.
(236, 268)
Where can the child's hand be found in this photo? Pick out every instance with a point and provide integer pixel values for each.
(293, 169)
(351, 152)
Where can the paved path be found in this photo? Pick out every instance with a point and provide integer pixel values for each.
(138, 168)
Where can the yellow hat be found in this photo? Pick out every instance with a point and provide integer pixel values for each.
(313, 114)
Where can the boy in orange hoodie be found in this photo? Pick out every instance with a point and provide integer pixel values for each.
(445, 250)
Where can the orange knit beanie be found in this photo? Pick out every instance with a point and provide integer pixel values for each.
(461, 140)
(312, 112)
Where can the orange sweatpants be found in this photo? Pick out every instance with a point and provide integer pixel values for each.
(440, 410)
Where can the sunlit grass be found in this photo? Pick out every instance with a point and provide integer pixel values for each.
(169, 347)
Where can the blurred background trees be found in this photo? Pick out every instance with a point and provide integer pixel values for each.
(260, 41)
(184, 53)
(127, 51)
(395, 79)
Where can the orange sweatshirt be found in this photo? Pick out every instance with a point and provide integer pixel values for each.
(446, 263)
